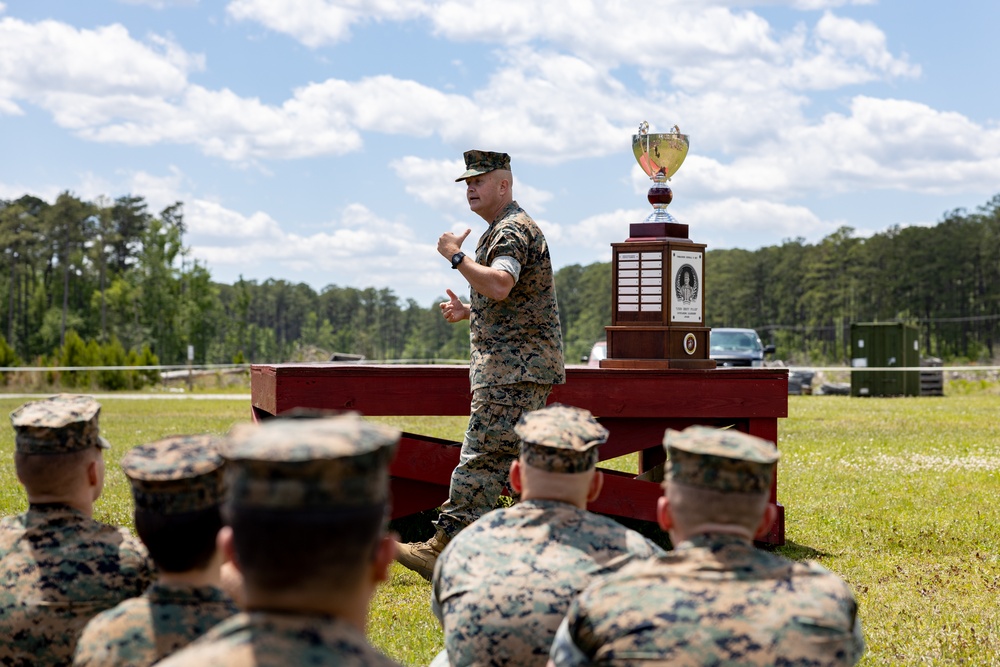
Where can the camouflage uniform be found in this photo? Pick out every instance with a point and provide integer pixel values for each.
(59, 567)
(336, 465)
(516, 355)
(503, 584)
(260, 638)
(146, 629)
(716, 599)
(176, 475)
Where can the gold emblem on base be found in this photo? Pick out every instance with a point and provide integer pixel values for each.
(690, 343)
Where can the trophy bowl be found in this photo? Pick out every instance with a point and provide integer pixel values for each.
(660, 156)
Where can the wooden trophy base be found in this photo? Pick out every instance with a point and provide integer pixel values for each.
(655, 347)
(661, 231)
(659, 364)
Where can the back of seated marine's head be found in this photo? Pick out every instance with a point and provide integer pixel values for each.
(177, 489)
(307, 498)
(55, 439)
(718, 476)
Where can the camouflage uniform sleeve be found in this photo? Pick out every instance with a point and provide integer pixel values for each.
(134, 553)
(510, 241)
(859, 641)
(564, 652)
(435, 596)
(92, 648)
(642, 546)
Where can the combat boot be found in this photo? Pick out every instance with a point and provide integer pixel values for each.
(421, 556)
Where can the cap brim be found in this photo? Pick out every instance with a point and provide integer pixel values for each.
(469, 173)
(102, 443)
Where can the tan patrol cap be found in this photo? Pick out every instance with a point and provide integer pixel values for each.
(309, 463)
(720, 459)
(182, 473)
(560, 438)
(478, 163)
(60, 424)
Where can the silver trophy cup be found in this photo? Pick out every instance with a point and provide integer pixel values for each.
(660, 156)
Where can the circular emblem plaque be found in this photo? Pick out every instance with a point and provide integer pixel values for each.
(690, 343)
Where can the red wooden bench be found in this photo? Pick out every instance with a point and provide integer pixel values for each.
(635, 405)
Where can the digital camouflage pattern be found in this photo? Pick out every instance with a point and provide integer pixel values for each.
(516, 356)
(714, 600)
(58, 568)
(60, 424)
(721, 460)
(262, 639)
(517, 339)
(478, 163)
(503, 584)
(489, 447)
(175, 475)
(337, 461)
(143, 630)
(560, 438)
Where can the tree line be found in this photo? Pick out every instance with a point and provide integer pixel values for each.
(95, 281)
(943, 279)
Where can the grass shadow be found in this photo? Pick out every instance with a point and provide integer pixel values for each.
(797, 551)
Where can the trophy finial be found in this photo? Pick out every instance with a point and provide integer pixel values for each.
(643, 128)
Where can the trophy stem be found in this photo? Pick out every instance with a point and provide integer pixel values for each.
(660, 195)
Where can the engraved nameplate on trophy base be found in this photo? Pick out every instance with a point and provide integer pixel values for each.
(658, 306)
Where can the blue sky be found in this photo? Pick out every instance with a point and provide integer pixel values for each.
(318, 140)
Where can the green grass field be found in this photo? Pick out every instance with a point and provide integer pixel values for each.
(899, 496)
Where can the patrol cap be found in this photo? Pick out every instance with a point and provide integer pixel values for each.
(560, 438)
(319, 463)
(59, 424)
(182, 473)
(722, 460)
(478, 163)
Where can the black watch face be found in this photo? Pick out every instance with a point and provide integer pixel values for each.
(456, 259)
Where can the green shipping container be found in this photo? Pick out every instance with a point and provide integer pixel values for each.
(884, 345)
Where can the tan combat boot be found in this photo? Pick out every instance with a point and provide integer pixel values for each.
(421, 556)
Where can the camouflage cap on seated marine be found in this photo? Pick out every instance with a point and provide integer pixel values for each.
(723, 460)
(182, 473)
(309, 463)
(560, 438)
(60, 424)
(478, 163)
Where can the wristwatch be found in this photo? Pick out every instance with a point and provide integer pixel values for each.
(456, 259)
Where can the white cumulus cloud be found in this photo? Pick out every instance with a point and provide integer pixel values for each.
(319, 22)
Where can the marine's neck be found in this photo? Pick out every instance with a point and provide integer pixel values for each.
(207, 576)
(349, 607)
(79, 502)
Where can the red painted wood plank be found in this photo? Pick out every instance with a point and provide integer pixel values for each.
(425, 459)
(443, 390)
(627, 497)
(410, 497)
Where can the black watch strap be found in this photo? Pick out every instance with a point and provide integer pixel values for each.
(456, 259)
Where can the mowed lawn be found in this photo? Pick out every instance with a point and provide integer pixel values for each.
(900, 496)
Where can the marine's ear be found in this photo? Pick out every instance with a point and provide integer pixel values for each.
(385, 554)
(516, 481)
(596, 484)
(663, 515)
(766, 521)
